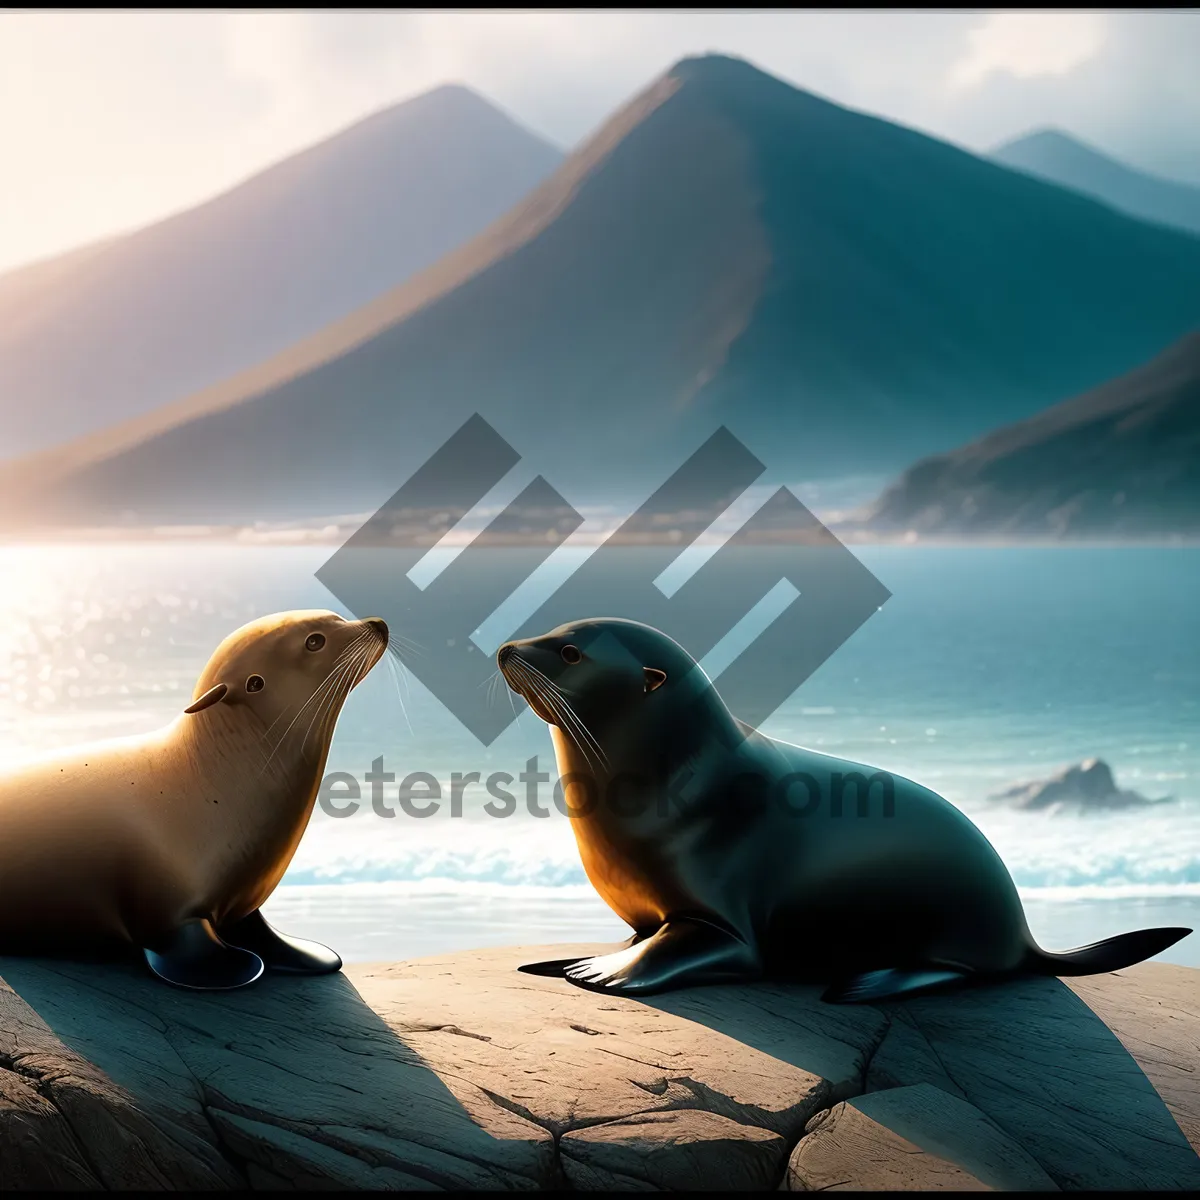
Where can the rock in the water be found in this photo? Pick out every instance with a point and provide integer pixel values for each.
(461, 1073)
(1088, 786)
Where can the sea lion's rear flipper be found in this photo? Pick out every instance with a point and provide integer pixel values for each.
(888, 984)
(292, 956)
(1112, 954)
(682, 953)
(193, 956)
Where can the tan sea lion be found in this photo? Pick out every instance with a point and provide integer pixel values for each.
(734, 856)
(171, 842)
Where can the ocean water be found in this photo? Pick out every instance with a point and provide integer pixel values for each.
(987, 666)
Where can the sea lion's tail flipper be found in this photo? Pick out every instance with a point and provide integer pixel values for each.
(889, 983)
(1109, 955)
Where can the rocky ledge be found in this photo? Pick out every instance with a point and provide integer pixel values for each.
(458, 1072)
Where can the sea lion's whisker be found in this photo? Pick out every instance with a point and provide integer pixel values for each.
(328, 720)
(530, 684)
(569, 720)
(299, 713)
(317, 692)
(325, 718)
(284, 736)
(579, 721)
(312, 698)
(594, 757)
(402, 676)
(595, 752)
(348, 677)
(394, 671)
(495, 682)
(401, 642)
(327, 703)
(513, 705)
(566, 710)
(337, 662)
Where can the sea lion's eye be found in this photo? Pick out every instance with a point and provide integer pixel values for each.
(255, 683)
(570, 654)
(315, 641)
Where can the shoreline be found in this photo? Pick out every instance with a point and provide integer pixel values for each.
(234, 536)
(372, 921)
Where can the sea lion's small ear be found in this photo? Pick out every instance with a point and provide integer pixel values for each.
(654, 678)
(212, 696)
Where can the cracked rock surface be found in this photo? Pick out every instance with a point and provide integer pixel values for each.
(459, 1072)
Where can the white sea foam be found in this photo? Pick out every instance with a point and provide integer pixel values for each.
(1121, 891)
(1113, 855)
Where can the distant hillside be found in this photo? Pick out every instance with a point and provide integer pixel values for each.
(113, 330)
(845, 294)
(1121, 460)
(1052, 155)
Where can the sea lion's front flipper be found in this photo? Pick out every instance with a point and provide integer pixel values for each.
(193, 956)
(889, 983)
(682, 953)
(553, 968)
(556, 968)
(292, 956)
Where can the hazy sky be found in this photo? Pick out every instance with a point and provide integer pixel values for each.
(109, 120)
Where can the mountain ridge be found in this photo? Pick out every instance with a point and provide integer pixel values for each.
(338, 338)
(1068, 161)
(726, 249)
(116, 328)
(1122, 459)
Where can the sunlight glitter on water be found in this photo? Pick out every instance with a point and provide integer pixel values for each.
(985, 667)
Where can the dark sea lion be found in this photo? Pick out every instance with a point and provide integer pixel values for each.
(734, 856)
(172, 841)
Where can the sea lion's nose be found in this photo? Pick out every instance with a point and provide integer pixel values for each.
(505, 653)
(379, 625)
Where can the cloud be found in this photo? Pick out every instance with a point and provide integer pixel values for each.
(1028, 44)
(111, 119)
(1137, 96)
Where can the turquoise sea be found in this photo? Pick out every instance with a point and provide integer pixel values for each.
(987, 666)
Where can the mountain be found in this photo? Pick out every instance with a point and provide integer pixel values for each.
(845, 295)
(1121, 460)
(1055, 156)
(116, 329)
